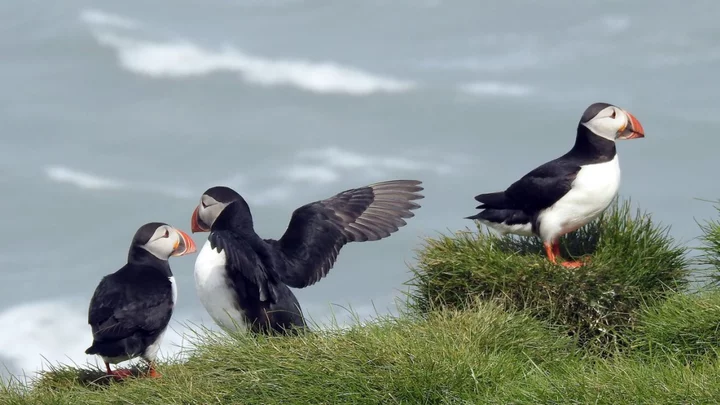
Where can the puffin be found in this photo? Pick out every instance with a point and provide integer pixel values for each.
(244, 281)
(131, 308)
(564, 194)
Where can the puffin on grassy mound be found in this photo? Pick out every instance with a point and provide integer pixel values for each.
(243, 280)
(564, 194)
(131, 308)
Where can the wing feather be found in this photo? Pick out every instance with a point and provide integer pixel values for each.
(318, 230)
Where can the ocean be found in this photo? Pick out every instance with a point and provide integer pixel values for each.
(115, 114)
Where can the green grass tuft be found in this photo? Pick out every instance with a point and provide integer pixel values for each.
(711, 247)
(448, 357)
(685, 325)
(632, 261)
(484, 355)
(489, 323)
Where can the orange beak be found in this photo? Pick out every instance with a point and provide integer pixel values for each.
(633, 129)
(185, 245)
(195, 223)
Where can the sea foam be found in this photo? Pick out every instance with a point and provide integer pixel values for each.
(182, 58)
(90, 181)
(37, 334)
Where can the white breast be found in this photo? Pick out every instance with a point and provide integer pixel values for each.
(593, 190)
(151, 352)
(214, 293)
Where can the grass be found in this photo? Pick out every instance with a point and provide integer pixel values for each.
(711, 247)
(632, 261)
(686, 326)
(491, 322)
(450, 356)
(484, 355)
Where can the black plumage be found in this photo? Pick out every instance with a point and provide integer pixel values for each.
(260, 270)
(542, 187)
(131, 308)
(566, 193)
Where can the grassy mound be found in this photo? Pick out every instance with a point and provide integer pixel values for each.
(633, 261)
(448, 357)
(489, 323)
(485, 355)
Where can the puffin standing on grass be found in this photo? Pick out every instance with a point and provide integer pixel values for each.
(243, 280)
(566, 193)
(131, 308)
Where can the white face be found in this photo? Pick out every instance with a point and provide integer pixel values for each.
(166, 242)
(609, 123)
(209, 209)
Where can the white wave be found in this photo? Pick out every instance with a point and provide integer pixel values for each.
(80, 179)
(182, 58)
(89, 181)
(496, 89)
(104, 19)
(519, 54)
(335, 157)
(37, 333)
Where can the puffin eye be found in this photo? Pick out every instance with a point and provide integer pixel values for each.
(612, 115)
(167, 233)
(203, 204)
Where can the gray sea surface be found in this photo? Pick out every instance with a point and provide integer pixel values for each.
(114, 114)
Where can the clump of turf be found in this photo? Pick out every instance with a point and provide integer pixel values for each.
(710, 249)
(633, 261)
(449, 357)
(685, 325)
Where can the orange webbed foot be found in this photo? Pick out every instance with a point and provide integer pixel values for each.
(577, 263)
(152, 373)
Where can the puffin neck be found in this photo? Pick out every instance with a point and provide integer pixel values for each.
(141, 257)
(236, 217)
(591, 145)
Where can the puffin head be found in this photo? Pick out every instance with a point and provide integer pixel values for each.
(212, 203)
(611, 122)
(162, 240)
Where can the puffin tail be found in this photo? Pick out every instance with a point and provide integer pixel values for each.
(91, 350)
(505, 220)
(493, 200)
(499, 212)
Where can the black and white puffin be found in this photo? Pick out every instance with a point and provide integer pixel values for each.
(566, 193)
(242, 280)
(131, 308)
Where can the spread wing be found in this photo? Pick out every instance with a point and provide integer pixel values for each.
(318, 230)
(543, 186)
(118, 310)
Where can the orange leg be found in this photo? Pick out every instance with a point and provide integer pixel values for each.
(553, 252)
(550, 250)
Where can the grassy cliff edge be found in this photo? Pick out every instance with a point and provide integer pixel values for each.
(488, 321)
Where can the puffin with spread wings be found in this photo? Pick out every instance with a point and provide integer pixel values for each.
(244, 281)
